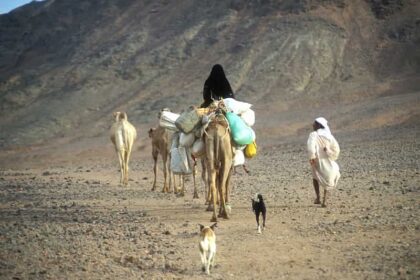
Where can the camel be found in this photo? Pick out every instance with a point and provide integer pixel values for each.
(122, 136)
(162, 141)
(160, 145)
(219, 155)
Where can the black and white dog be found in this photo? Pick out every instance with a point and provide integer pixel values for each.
(258, 206)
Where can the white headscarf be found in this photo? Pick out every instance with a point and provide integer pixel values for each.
(324, 131)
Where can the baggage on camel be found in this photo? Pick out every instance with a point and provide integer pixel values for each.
(239, 158)
(181, 161)
(187, 121)
(235, 106)
(248, 117)
(241, 133)
(251, 150)
(167, 120)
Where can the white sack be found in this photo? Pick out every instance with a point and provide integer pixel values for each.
(167, 125)
(179, 161)
(186, 140)
(167, 120)
(248, 117)
(198, 149)
(175, 140)
(235, 106)
(169, 116)
(239, 158)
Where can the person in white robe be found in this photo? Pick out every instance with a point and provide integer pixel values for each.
(323, 152)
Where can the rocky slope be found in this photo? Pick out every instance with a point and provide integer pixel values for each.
(66, 65)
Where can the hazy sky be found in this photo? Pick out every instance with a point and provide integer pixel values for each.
(8, 5)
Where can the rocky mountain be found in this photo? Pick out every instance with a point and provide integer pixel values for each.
(65, 66)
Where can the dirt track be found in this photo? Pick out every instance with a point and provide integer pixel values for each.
(75, 222)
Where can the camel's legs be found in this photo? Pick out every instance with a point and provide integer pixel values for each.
(225, 173)
(176, 189)
(212, 177)
(121, 160)
(155, 169)
(195, 183)
(182, 184)
(228, 185)
(127, 164)
(214, 195)
(125, 160)
(171, 181)
(165, 173)
(204, 177)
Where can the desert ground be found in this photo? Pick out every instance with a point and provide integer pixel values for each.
(72, 220)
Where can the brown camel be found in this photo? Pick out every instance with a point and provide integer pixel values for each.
(219, 155)
(122, 135)
(160, 145)
(162, 139)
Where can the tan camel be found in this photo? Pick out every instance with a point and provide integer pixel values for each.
(160, 145)
(123, 135)
(219, 155)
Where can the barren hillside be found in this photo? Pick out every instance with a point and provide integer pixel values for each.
(66, 65)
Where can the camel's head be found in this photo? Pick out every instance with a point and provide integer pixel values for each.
(118, 116)
(151, 132)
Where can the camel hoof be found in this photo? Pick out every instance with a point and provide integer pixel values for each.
(323, 205)
(195, 196)
(213, 219)
(224, 215)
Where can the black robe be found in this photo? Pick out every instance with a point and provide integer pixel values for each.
(216, 86)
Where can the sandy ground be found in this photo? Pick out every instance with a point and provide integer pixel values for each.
(75, 222)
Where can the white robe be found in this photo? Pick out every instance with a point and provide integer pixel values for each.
(325, 151)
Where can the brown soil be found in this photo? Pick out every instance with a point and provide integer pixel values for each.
(71, 220)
